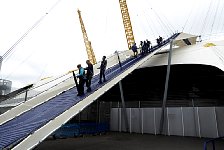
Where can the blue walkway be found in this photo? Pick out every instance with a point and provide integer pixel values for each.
(17, 129)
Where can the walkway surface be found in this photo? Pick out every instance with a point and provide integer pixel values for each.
(126, 141)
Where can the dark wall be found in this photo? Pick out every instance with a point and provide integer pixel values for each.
(200, 83)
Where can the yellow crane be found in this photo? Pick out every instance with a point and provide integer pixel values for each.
(127, 23)
(89, 49)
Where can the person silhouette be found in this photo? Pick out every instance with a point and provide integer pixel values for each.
(81, 76)
(102, 68)
(89, 75)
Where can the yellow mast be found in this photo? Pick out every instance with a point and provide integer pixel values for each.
(89, 49)
(127, 23)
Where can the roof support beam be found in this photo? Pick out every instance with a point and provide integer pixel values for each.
(124, 110)
(163, 114)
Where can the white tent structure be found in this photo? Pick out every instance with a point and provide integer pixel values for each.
(205, 53)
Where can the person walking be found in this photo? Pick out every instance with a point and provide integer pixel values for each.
(89, 75)
(102, 68)
(81, 76)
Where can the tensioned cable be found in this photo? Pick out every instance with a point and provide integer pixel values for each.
(204, 24)
(15, 67)
(188, 18)
(10, 50)
(148, 24)
(215, 15)
(162, 24)
(194, 19)
(171, 27)
(151, 22)
(220, 17)
(223, 23)
(222, 27)
(168, 23)
(21, 38)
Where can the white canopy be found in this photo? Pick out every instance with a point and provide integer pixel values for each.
(205, 53)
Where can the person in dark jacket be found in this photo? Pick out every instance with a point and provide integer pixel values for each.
(102, 68)
(134, 49)
(89, 75)
(81, 76)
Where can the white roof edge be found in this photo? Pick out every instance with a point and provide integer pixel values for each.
(183, 35)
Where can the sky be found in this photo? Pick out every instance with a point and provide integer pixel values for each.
(55, 45)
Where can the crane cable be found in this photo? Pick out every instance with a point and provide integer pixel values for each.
(10, 50)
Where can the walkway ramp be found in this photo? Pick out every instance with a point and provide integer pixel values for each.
(31, 126)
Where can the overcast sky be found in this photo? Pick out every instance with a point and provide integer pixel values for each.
(56, 45)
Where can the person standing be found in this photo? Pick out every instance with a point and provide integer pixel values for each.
(89, 75)
(134, 49)
(102, 68)
(81, 76)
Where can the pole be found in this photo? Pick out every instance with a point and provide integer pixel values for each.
(124, 107)
(26, 95)
(163, 114)
(76, 83)
(118, 57)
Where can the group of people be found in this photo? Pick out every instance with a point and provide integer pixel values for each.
(159, 40)
(145, 46)
(85, 75)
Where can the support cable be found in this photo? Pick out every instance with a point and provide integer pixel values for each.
(187, 19)
(155, 29)
(205, 20)
(10, 50)
(167, 24)
(221, 18)
(161, 20)
(195, 21)
(162, 23)
(142, 26)
(148, 22)
(215, 15)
